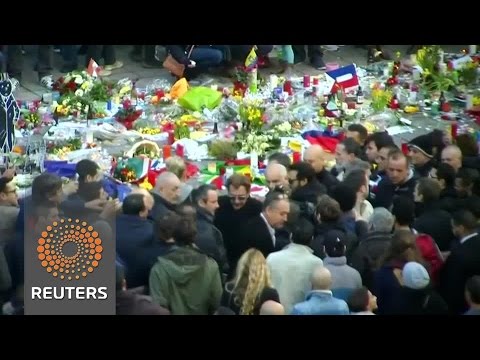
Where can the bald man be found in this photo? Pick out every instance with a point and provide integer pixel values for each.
(276, 176)
(315, 156)
(166, 194)
(320, 300)
(149, 201)
(271, 307)
(452, 155)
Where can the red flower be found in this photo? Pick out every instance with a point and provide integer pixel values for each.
(71, 86)
(127, 104)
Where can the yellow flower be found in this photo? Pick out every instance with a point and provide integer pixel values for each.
(146, 185)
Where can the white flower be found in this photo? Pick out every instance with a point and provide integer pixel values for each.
(79, 92)
(85, 110)
(79, 105)
(250, 138)
(78, 80)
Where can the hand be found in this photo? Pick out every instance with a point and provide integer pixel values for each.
(97, 205)
(192, 64)
(9, 173)
(110, 209)
(70, 188)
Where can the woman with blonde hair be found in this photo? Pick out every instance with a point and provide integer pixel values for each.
(251, 286)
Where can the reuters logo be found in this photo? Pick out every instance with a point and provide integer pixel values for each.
(70, 250)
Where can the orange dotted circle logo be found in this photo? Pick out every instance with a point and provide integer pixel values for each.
(69, 249)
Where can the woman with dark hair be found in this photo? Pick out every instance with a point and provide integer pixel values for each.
(362, 302)
(387, 279)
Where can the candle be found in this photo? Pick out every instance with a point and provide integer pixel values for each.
(315, 81)
(171, 137)
(472, 49)
(306, 81)
(167, 152)
(287, 87)
(297, 157)
(180, 150)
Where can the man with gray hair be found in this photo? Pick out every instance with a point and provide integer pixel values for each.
(276, 176)
(209, 239)
(366, 255)
(166, 194)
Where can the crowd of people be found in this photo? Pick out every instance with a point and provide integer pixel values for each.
(383, 232)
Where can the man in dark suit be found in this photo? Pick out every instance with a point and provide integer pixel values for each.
(462, 263)
(259, 232)
(234, 212)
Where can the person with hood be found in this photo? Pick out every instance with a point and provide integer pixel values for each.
(186, 281)
(365, 258)
(421, 155)
(400, 180)
(416, 296)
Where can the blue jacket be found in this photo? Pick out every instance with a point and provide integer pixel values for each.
(321, 302)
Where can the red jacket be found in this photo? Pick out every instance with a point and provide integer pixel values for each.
(431, 254)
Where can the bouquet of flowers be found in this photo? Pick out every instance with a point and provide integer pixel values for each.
(101, 90)
(76, 82)
(258, 143)
(252, 114)
(428, 58)
(380, 98)
(128, 114)
(32, 120)
(78, 106)
(61, 149)
(468, 73)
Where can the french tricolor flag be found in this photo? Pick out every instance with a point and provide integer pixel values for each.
(345, 78)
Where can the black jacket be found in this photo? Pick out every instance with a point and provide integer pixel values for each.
(387, 191)
(322, 229)
(437, 223)
(366, 256)
(161, 207)
(309, 193)
(472, 162)
(209, 239)
(179, 53)
(462, 263)
(230, 222)
(256, 235)
(424, 170)
(449, 200)
(418, 302)
(327, 179)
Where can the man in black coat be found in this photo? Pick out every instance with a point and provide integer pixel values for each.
(166, 194)
(400, 181)
(433, 220)
(462, 263)
(234, 212)
(259, 232)
(304, 184)
(315, 156)
(209, 239)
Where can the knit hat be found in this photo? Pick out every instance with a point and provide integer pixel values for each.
(334, 242)
(423, 143)
(415, 276)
